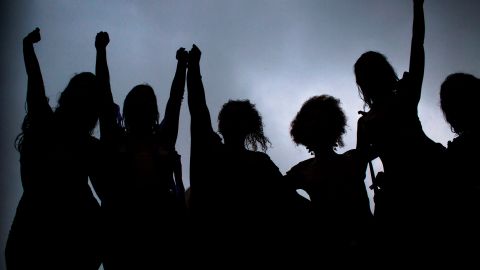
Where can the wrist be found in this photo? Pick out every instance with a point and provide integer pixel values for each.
(194, 64)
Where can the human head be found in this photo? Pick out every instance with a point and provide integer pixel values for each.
(79, 104)
(239, 120)
(320, 123)
(375, 77)
(459, 95)
(140, 110)
(77, 111)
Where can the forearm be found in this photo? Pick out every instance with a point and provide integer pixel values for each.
(178, 84)
(101, 66)
(108, 114)
(36, 88)
(417, 54)
(196, 99)
(172, 111)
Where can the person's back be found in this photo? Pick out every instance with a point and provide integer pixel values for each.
(458, 96)
(238, 186)
(334, 182)
(246, 179)
(236, 191)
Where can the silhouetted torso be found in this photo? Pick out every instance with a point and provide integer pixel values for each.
(240, 207)
(142, 210)
(144, 169)
(340, 215)
(58, 219)
(463, 159)
(235, 182)
(409, 157)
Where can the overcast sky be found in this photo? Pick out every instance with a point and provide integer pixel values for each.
(276, 53)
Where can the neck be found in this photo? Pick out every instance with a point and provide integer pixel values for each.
(237, 144)
(325, 153)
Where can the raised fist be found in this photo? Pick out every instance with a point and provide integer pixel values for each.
(33, 37)
(101, 40)
(194, 54)
(182, 55)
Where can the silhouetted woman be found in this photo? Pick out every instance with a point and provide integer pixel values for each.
(144, 197)
(234, 190)
(392, 131)
(459, 96)
(56, 225)
(334, 182)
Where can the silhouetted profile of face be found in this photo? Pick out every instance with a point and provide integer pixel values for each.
(140, 110)
(375, 76)
(79, 104)
(459, 95)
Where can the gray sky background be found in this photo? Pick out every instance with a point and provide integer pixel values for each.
(276, 53)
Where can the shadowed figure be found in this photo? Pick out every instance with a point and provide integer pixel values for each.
(459, 95)
(407, 201)
(236, 193)
(143, 197)
(56, 225)
(341, 216)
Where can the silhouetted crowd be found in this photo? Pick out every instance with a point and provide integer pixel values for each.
(239, 208)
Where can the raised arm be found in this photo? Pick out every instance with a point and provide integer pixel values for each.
(108, 113)
(417, 54)
(200, 116)
(172, 111)
(37, 102)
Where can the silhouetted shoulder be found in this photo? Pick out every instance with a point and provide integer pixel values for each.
(256, 162)
(259, 156)
(300, 167)
(461, 143)
(353, 156)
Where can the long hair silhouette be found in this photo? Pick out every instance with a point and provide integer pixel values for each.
(140, 109)
(77, 109)
(375, 77)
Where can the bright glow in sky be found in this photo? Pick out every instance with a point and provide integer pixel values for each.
(277, 53)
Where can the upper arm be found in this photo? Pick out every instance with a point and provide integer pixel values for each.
(172, 111)
(37, 103)
(417, 53)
